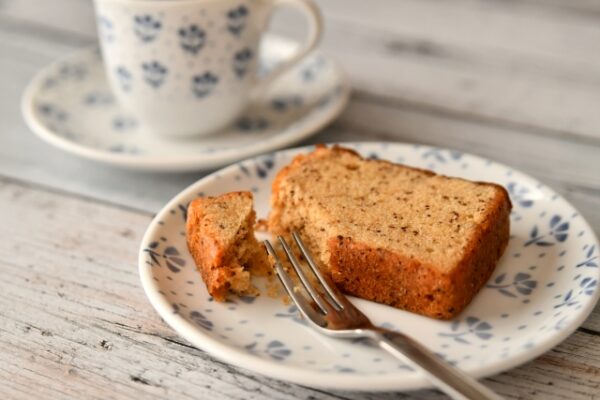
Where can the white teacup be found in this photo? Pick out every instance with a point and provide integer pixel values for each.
(189, 67)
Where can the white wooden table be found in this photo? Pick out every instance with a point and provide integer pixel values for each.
(516, 81)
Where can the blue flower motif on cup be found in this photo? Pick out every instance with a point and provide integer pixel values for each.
(558, 232)
(201, 320)
(146, 27)
(203, 84)
(192, 38)
(252, 124)
(241, 60)
(473, 327)
(518, 194)
(154, 73)
(236, 19)
(105, 29)
(124, 78)
(590, 259)
(521, 283)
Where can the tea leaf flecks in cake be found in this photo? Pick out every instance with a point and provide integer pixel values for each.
(220, 237)
(394, 234)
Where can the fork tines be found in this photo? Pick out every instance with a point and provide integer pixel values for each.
(325, 298)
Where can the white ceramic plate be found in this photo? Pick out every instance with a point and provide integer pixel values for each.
(542, 290)
(69, 105)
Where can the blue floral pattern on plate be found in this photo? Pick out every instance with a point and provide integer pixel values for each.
(543, 288)
(292, 111)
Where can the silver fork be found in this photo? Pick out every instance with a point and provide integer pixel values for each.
(332, 314)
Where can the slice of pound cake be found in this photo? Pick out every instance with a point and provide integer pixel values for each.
(389, 233)
(220, 237)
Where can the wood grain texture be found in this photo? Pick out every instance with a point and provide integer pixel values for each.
(515, 81)
(76, 321)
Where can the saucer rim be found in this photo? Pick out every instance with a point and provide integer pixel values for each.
(189, 162)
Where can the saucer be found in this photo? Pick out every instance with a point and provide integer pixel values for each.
(69, 104)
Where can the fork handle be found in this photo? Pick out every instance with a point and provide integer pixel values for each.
(447, 378)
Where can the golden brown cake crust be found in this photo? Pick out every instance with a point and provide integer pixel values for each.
(220, 238)
(394, 277)
(389, 278)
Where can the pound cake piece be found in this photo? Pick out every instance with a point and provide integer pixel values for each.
(220, 237)
(393, 234)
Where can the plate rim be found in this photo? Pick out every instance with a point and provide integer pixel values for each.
(189, 162)
(354, 382)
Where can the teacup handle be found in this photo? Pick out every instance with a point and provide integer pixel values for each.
(315, 29)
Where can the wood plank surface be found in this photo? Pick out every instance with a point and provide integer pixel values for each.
(76, 323)
(515, 81)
